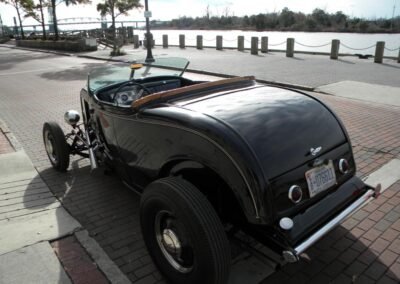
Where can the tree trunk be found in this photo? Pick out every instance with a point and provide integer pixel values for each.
(114, 31)
(53, 6)
(20, 22)
(41, 14)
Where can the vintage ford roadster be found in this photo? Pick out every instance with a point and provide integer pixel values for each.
(207, 157)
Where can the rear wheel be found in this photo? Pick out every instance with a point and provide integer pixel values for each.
(183, 233)
(56, 147)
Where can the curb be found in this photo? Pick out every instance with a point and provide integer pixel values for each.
(92, 248)
(203, 72)
(10, 136)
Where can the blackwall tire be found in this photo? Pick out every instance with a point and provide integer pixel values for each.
(183, 233)
(56, 147)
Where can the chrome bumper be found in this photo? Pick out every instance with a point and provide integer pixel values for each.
(293, 255)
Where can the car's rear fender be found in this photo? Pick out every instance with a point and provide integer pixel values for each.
(228, 203)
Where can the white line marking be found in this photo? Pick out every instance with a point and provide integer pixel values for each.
(386, 175)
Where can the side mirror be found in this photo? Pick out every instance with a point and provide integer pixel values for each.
(72, 117)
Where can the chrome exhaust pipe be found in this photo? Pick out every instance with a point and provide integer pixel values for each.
(92, 157)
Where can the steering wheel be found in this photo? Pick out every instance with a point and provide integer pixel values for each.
(131, 83)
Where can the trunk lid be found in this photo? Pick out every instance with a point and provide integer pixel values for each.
(280, 126)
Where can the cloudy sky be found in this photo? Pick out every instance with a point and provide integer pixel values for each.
(169, 9)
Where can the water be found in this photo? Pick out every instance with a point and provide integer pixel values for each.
(305, 41)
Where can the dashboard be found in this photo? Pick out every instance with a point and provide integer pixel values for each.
(127, 94)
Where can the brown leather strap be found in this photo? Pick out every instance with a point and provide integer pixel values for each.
(197, 87)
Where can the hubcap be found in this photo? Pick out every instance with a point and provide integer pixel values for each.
(49, 145)
(172, 242)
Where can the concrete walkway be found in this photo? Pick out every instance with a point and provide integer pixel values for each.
(30, 217)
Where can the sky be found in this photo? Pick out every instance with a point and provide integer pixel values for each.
(170, 9)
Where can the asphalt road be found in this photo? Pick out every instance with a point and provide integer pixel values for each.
(38, 87)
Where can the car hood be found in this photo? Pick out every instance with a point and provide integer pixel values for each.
(280, 126)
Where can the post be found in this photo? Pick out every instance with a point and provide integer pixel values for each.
(290, 47)
(335, 49)
(149, 36)
(165, 41)
(130, 34)
(219, 42)
(199, 42)
(182, 41)
(380, 48)
(264, 44)
(136, 41)
(254, 45)
(398, 58)
(240, 43)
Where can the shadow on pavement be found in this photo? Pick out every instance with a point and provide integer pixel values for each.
(11, 60)
(109, 211)
(74, 73)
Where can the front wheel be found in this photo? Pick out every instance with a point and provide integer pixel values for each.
(56, 147)
(183, 233)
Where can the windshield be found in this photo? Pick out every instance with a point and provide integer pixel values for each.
(120, 72)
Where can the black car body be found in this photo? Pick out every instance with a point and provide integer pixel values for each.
(274, 162)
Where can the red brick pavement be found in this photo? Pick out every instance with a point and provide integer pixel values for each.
(77, 263)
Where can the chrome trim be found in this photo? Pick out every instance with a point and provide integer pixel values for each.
(341, 162)
(290, 195)
(374, 192)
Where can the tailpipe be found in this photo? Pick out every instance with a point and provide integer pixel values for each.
(92, 157)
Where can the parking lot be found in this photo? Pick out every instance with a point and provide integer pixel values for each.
(38, 87)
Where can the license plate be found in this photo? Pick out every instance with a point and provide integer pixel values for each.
(321, 178)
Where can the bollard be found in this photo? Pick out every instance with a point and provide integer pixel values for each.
(264, 44)
(241, 43)
(219, 42)
(182, 41)
(130, 34)
(136, 41)
(165, 41)
(290, 47)
(335, 49)
(199, 42)
(123, 32)
(398, 58)
(380, 47)
(254, 45)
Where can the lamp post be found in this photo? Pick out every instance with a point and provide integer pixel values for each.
(149, 37)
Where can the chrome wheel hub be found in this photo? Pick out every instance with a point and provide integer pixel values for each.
(49, 147)
(171, 242)
(175, 249)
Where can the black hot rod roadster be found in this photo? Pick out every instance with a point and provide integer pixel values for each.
(207, 156)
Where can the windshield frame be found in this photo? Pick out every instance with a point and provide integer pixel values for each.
(120, 72)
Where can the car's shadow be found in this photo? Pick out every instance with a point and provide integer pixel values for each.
(110, 213)
(107, 209)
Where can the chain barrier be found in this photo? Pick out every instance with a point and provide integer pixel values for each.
(206, 39)
(273, 44)
(312, 46)
(231, 40)
(346, 46)
(394, 49)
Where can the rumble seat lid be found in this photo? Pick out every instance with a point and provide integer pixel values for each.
(225, 83)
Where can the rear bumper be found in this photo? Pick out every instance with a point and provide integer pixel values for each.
(293, 255)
